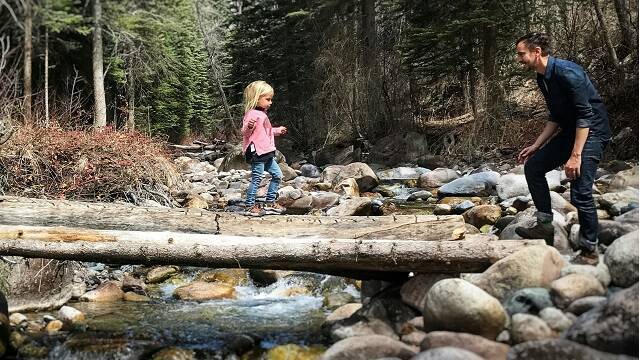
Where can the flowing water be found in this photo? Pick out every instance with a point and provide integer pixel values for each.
(260, 318)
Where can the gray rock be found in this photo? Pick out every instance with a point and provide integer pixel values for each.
(585, 304)
(622, 259)
(569, 288)
(463, 206)
(447, 353)
(310, 170)
(600, 272)
(528, 301)
(558, 349)
(525, 327)
(534, 266)
(477, 344)
(457, 305)
(367, 348)
(437, 178)
(414, 291)
(613, 327)
(556, 319)
(345, 329)
(351, 207)
(420, 195)
(609, 230)
(481, 184)
(624, 179)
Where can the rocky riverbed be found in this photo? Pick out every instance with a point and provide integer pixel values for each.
(534, 304)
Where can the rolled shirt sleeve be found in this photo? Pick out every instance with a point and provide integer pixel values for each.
(575, 84)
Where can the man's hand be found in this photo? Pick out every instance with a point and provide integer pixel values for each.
(251, 124)
(526, 153)
(572, 167)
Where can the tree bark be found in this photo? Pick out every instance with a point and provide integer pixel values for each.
(131, 110)
(46, 78)
(208, 250)
(629, 35)
(369, 32)
(28, 54)
(100, 119)
(605, 35)
(33, 212)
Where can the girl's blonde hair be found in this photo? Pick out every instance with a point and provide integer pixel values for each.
(253, 92)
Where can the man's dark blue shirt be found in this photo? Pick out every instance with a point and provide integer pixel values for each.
(572, 99)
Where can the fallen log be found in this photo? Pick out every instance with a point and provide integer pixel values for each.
(110, 216)
(327, 255)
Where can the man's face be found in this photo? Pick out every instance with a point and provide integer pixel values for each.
(527, 57)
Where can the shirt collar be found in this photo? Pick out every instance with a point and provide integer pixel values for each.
(551, 63)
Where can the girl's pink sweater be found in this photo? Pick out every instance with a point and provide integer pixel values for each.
(262, 135)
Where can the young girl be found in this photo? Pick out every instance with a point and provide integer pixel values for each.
(259, 146)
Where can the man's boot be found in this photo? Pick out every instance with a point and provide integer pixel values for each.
(542, 230)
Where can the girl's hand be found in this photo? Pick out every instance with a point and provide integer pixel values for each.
(251, 124)
(283, 130)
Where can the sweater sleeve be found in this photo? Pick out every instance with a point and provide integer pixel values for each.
(251, 115)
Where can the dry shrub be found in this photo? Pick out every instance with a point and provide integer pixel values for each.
(104, 165)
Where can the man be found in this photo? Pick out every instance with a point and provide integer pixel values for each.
(577, 110)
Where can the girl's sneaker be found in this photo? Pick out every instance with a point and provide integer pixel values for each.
(274, 208)
(254, 210)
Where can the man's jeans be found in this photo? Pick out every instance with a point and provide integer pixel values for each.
(257, 168)
(556, 153)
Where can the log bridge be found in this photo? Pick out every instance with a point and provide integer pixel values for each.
(353, 246)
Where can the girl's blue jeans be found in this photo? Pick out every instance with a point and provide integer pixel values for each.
(257, 168)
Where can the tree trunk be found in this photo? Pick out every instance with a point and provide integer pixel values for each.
(369, 32)
(28, 53)
(108, 216)
(489, 52)
(131, 113)
(605, 35)
(46, 78)
(208, 250)
(98, 71)
(229, 127)
(629, 35)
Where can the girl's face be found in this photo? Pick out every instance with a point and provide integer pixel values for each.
(265, 101)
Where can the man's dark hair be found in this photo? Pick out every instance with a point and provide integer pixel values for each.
(532, 40)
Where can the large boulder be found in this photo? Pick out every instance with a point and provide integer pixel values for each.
(485, 348)
(622, 259)
(525, 327)
(512, 185)
(400, 174)
(535, 266)
(613, 327)
(202, 291)
(414, 291)
(437, 178)
(350, 207)
(109, 291)
(569, 288)
(481, 215)
(368, 347)
(310, 170)
(457, 305)
(559, 349)
(39, 284)
(624, 179)
(528, 301)
(361, 172)
(480, 184)
(447, 353)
